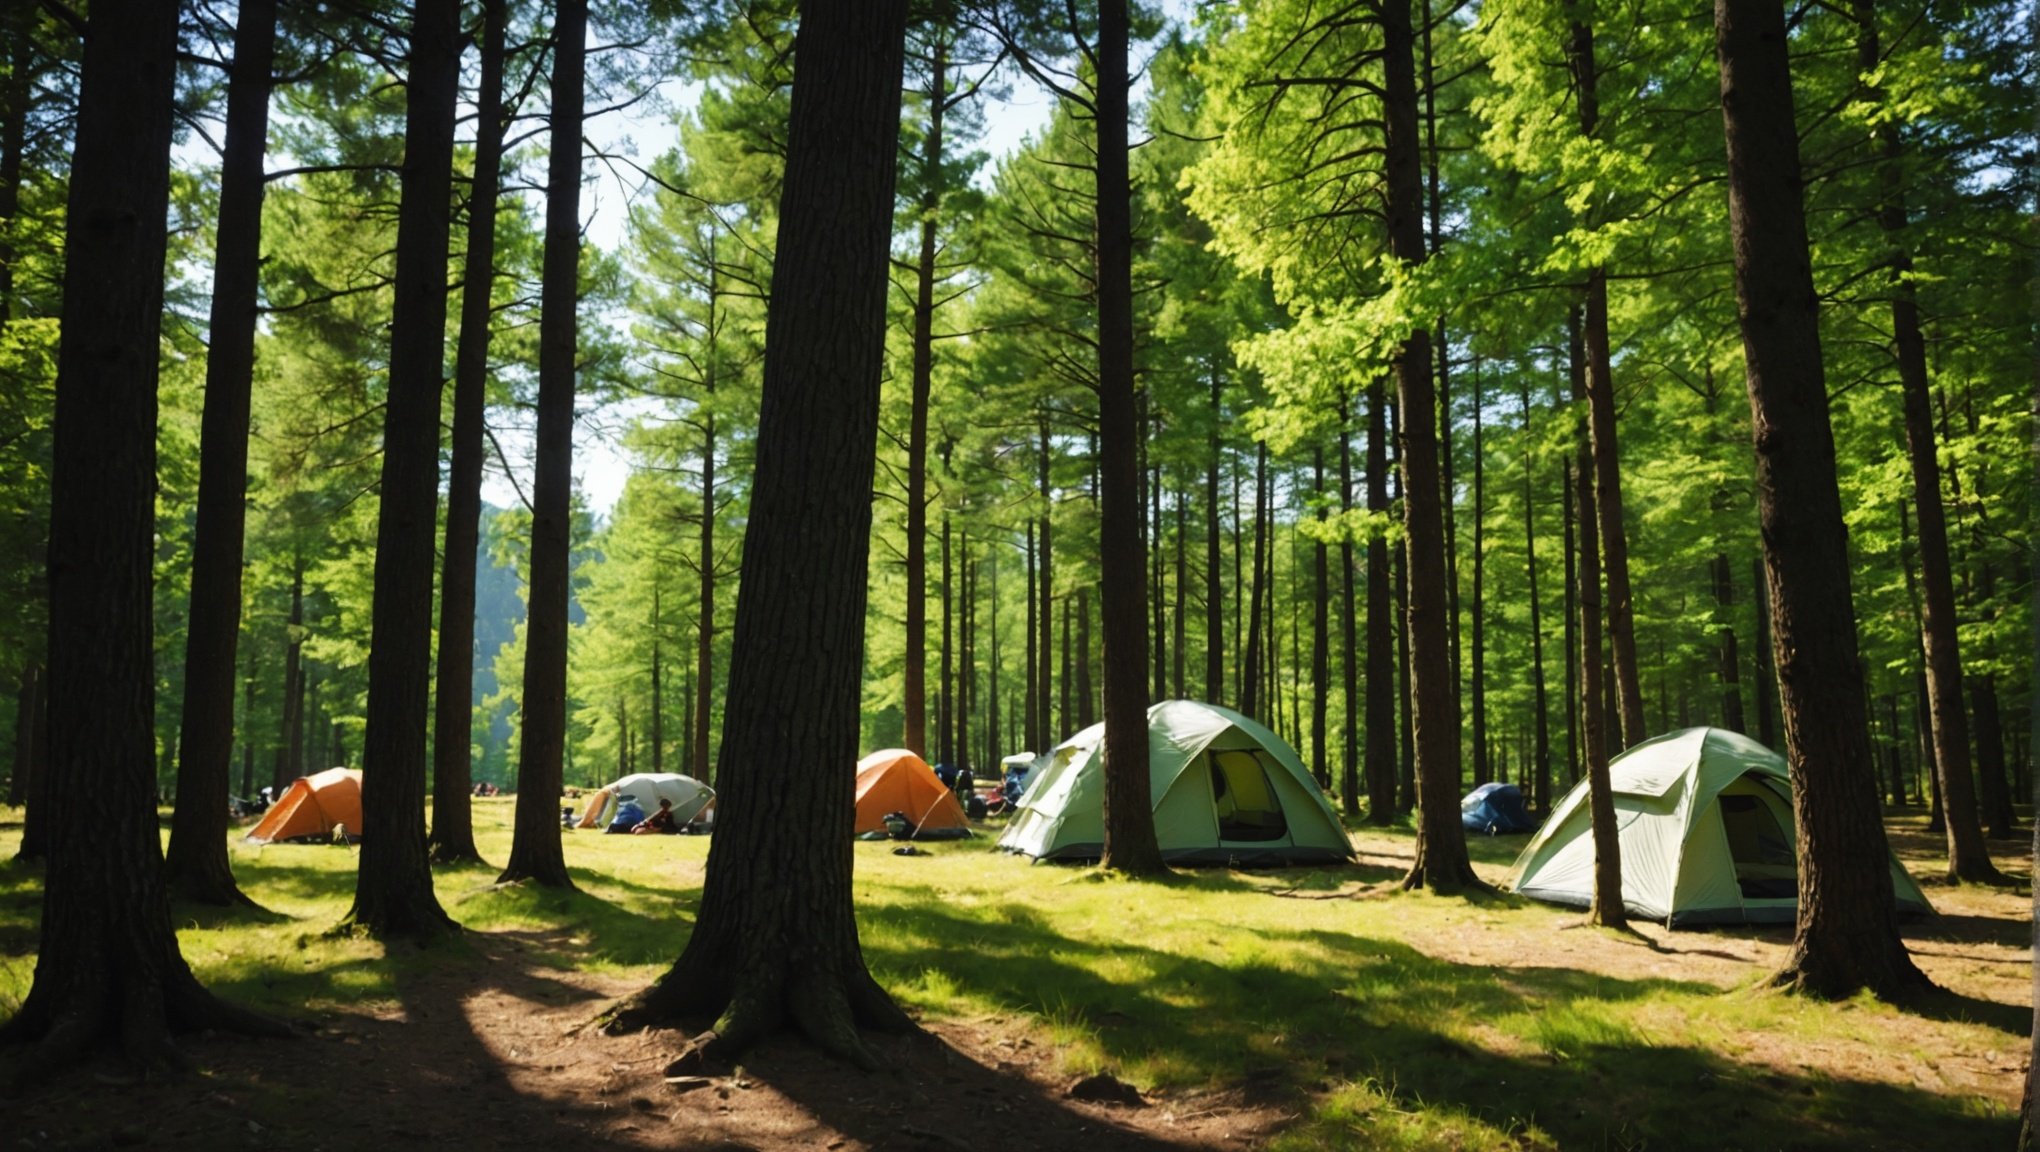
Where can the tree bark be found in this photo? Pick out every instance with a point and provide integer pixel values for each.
(1380, 755)
(1441, 860)
(1573, 691)
(1540, 755)
(1607, 908)
(196, 866)
(1766, 688)
(1181, 623)
(1990, 758)
(776, 939)
(946, 700)
(1483, 765)
(1846, 936)
(1250, 677)
(1214, 591)
(1406, 745)
(290, 736)
(393, 894)
(1039, 738)
(1728, 664)
(1320, 635)
(107, 964)
(536, 853)
(915, 673)
(1087, 698)
(1130, 845)
(453, 829)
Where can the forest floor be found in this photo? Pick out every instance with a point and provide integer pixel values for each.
(1286, 1010)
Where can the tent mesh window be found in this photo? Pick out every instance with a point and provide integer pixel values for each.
(1764, 866)
(1244, 798)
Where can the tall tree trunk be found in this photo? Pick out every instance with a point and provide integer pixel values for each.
(1214, 593)
(1064, 708)
(1540, 756)
(704, 617)
(1483, 766)
(916, 671)
(1130, 844)
(453, 827)
(1044, 679)
(1406, 745)
(1157, 584)
(393, 887)
(946, 702)
(1441, 860)
(658, 702)
(1351, 756)
(1728, 664)
(966, 681)
(1030, 662)
(196, 867)
(1573, 690)
(107, 962)
(1250, 677)
(1846, 936)
(1614, 544)
(774, 944)
(1990, 758)
(1766, 689)
(290, 740)
(1380, 754)
(536, 853)
(1180, 659)
(1320, 628)
(1968, 856)
(1607, 908)
(1087, 697)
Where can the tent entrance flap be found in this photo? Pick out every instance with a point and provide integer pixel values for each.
(1244, 799)
(1765, 866)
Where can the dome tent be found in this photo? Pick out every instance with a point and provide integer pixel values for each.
(312, 807)
(689, 797)
(1225, 791)
(1495, 809)
(896, 780)
(1705, 822)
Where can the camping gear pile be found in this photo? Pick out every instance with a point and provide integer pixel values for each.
(1704, 818)
(1225, 791)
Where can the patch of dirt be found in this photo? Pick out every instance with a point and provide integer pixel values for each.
(505, 1064)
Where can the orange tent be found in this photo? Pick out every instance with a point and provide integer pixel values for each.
(896, 780)
(313, 806)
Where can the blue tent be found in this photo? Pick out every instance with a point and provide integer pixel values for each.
(1496, 809)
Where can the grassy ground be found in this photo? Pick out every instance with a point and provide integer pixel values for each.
(1365, 1018)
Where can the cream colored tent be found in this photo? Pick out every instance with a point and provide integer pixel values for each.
(1225, 791)
(689, 797)
(1704, 817)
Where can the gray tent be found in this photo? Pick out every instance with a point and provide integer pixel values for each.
(1704, 817)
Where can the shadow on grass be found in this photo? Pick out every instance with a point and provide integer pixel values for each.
(1307, 1011)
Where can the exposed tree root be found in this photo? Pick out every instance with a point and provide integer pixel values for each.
(827, 1007)
(1887, 972)
(138, 1019)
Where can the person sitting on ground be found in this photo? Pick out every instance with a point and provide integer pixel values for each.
(660, 822)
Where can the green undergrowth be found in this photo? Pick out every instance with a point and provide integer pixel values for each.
(1320, 994)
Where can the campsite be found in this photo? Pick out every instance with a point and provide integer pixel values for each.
(886, 576)
(1289, 1009)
